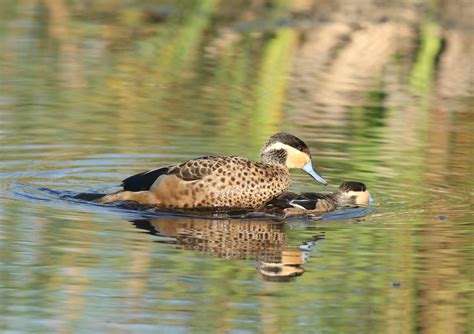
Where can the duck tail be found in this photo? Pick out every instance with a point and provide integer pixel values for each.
(143, 181)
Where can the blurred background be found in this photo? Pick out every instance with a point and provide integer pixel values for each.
(93, 91)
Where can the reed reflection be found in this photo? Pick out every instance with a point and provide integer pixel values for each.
(266, 241)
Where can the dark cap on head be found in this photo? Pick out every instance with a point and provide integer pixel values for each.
(352, 186)
(289, 140)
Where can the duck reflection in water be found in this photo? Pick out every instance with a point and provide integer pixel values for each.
(265, 241)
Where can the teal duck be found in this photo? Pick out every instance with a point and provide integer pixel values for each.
(289, 204)
(221, 181)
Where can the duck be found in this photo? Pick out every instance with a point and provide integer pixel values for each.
(221, 181)
(290, 204)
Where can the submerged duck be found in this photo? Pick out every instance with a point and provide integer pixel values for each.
(289, 204)
(223, 182)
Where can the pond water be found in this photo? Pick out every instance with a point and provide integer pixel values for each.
(92, 92)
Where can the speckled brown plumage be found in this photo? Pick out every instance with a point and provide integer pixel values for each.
(232, 182)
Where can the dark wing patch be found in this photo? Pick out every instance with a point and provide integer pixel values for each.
(143, 181)
(282, 201)
(313, 201)
(304, 203)
(308, 201)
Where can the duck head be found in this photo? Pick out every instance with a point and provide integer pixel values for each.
(285, 149)
(353, 193)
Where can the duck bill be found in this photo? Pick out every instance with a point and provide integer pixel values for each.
(371, 200)
(308, 168)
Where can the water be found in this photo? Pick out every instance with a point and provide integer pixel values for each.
(92, 93)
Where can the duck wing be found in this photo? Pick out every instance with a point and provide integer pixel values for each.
(143, 181)
(305, 201)
(282, 201)
(191, 170)
(197, 169)
(317, 201)
(311, 201)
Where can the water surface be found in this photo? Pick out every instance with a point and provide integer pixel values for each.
(91, 93)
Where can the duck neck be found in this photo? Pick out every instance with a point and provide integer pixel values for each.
(342, 200)
(274, 157)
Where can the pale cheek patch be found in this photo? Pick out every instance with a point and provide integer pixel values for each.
(295, 158)
(362, 197)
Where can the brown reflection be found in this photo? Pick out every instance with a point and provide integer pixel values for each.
(265, 241)
(287, 267)
(444, 279)
(340, 59)
(59, 22)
